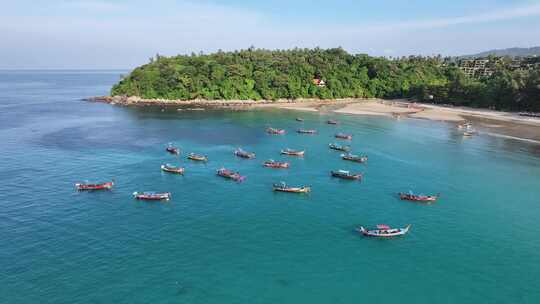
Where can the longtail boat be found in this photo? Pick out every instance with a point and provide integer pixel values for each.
(152, 196)
(282, 187)
(346, 175)
(173, 150)
(172, 169)
(332, 122)
(343, 136)
(243, 154)
(299, 119)
(339, 147)
(230, 174)
(304, 131)
(384, 231)
(275, 131)
(274, 164)
(354, 158)
(94, 186)
(292, 152)
(197, 157)
(418, 198)
(469, 133)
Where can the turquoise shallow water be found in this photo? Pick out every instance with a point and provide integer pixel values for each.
(218, 241)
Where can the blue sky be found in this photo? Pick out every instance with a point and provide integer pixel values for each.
(122, 34)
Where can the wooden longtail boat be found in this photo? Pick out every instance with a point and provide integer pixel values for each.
(230, 174)
(274, 164)
(292, 152)
(384, 231)
(173, 150)
(304, 131)
(343, 136)
(282, 187)
(197, 157)
(346, 175)
(418, 198)
(152, 196)
(332, 122)
(92, 187)
(299, 119)
(172, 169)
(339, 147)
(275, 131)
(354, 158)
(243, 154)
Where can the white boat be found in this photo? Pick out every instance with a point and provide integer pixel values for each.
(384, 231)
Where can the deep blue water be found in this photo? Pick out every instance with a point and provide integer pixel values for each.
(218, 241)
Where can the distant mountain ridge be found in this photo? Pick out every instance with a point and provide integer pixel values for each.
(513, 52)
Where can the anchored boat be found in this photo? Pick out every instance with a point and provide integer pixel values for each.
(384, 231)
(346, 175)
(274, 164)
(230, 175)
(243, 154)
(92, 186)
(275, 131)
(299, 119)
(343, 136)
(335, 146)
(173, 150)
(152, 196)
(332, 122)
(469, 133)
(197, 157)
(292, 152)
(172, 169)
(282, 187)
(354, 158)
(418, 198)
(304, 131)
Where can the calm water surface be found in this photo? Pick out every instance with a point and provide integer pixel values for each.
(221, 242)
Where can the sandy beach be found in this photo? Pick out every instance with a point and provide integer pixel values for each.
(489, 122)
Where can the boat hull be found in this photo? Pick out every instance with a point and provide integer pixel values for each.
(197, 158)
(292, 153)
(418, 198)
(293, 190)
(94, 187)
(384, 233)
(152, 197)
(276, 165)
(172, 170)
(355, 159)
(347, 177)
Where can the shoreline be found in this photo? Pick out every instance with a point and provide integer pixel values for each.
(489, 122)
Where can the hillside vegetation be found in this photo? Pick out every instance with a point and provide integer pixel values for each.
(512, 52)
(264, 74)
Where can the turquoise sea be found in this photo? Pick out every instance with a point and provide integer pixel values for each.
(219, 241)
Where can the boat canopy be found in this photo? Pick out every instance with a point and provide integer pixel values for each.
(383, 226)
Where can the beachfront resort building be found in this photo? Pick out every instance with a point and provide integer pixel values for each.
(477, 68)
(485, 67)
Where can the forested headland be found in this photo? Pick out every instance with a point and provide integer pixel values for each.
(258, 74)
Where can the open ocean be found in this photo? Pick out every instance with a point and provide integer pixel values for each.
(219, 241)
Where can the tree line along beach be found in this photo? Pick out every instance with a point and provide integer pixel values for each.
(503, 102)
